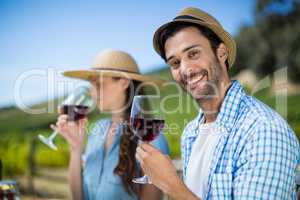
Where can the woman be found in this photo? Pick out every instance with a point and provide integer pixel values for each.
(107, 168)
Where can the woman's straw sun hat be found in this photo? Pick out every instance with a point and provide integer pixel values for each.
(113, 63)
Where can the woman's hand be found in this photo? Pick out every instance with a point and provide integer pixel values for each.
(72, 131)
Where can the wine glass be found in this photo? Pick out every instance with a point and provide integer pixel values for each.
(9, 189)
(146, 122)
(77, 105)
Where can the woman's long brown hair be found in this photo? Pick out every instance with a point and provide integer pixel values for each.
(127, 167)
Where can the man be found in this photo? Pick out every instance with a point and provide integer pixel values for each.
(237, 147)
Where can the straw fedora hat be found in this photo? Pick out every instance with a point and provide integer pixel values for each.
(113, 63)
(197, 16)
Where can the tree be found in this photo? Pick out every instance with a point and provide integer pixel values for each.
(273, 41)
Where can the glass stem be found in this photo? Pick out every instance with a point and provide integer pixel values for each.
(52, 136)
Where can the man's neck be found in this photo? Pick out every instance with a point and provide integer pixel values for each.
(211, 106)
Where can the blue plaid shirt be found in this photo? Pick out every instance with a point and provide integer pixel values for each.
(257, 155)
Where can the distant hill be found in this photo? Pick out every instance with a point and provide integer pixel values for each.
(19, 129)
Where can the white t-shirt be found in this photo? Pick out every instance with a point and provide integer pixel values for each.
(199, 162)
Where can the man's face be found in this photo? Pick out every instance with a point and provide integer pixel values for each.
(193, 63)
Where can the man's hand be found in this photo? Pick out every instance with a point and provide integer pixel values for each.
(161, 172)
(157, 166)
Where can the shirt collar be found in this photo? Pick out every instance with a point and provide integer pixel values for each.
(229, 108)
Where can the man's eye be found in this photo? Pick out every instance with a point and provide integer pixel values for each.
(194, 54)
(174, 64)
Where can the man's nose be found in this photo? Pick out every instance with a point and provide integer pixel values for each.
(186, 69)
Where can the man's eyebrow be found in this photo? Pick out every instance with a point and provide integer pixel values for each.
(190, 47)
(185, 49)
(169, 58)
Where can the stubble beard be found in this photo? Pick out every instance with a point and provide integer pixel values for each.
(211, 88)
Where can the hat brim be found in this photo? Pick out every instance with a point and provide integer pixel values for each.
(221, 33)
(90, 73)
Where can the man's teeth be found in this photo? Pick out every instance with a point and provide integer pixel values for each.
(195, 80)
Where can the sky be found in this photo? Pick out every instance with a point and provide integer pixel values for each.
(41, 38)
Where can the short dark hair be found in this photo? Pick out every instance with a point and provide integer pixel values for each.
(172, 29)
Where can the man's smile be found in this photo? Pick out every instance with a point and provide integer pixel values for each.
(192, 81)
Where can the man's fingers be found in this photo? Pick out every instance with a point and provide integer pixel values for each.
(144, 150)
(137, 156)
(168, 157)
(147, 147)
(141, 153)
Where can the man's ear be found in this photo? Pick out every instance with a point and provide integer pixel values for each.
(124, 83)
(222, 53)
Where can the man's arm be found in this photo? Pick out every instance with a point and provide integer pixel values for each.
(162, 173)
(150, 192)
(266, 166)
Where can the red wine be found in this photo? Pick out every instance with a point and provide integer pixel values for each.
(74, 112)
(147, 129)
(9, 190)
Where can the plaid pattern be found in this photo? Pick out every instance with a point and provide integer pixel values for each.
(257, 155)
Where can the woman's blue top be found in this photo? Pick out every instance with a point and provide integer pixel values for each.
(99, 180)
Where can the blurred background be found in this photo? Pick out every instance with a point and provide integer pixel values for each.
(40, 39)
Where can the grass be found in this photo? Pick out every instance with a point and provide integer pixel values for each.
(18, 129)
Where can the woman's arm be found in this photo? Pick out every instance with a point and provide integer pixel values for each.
(73, 132)
(74, 176)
